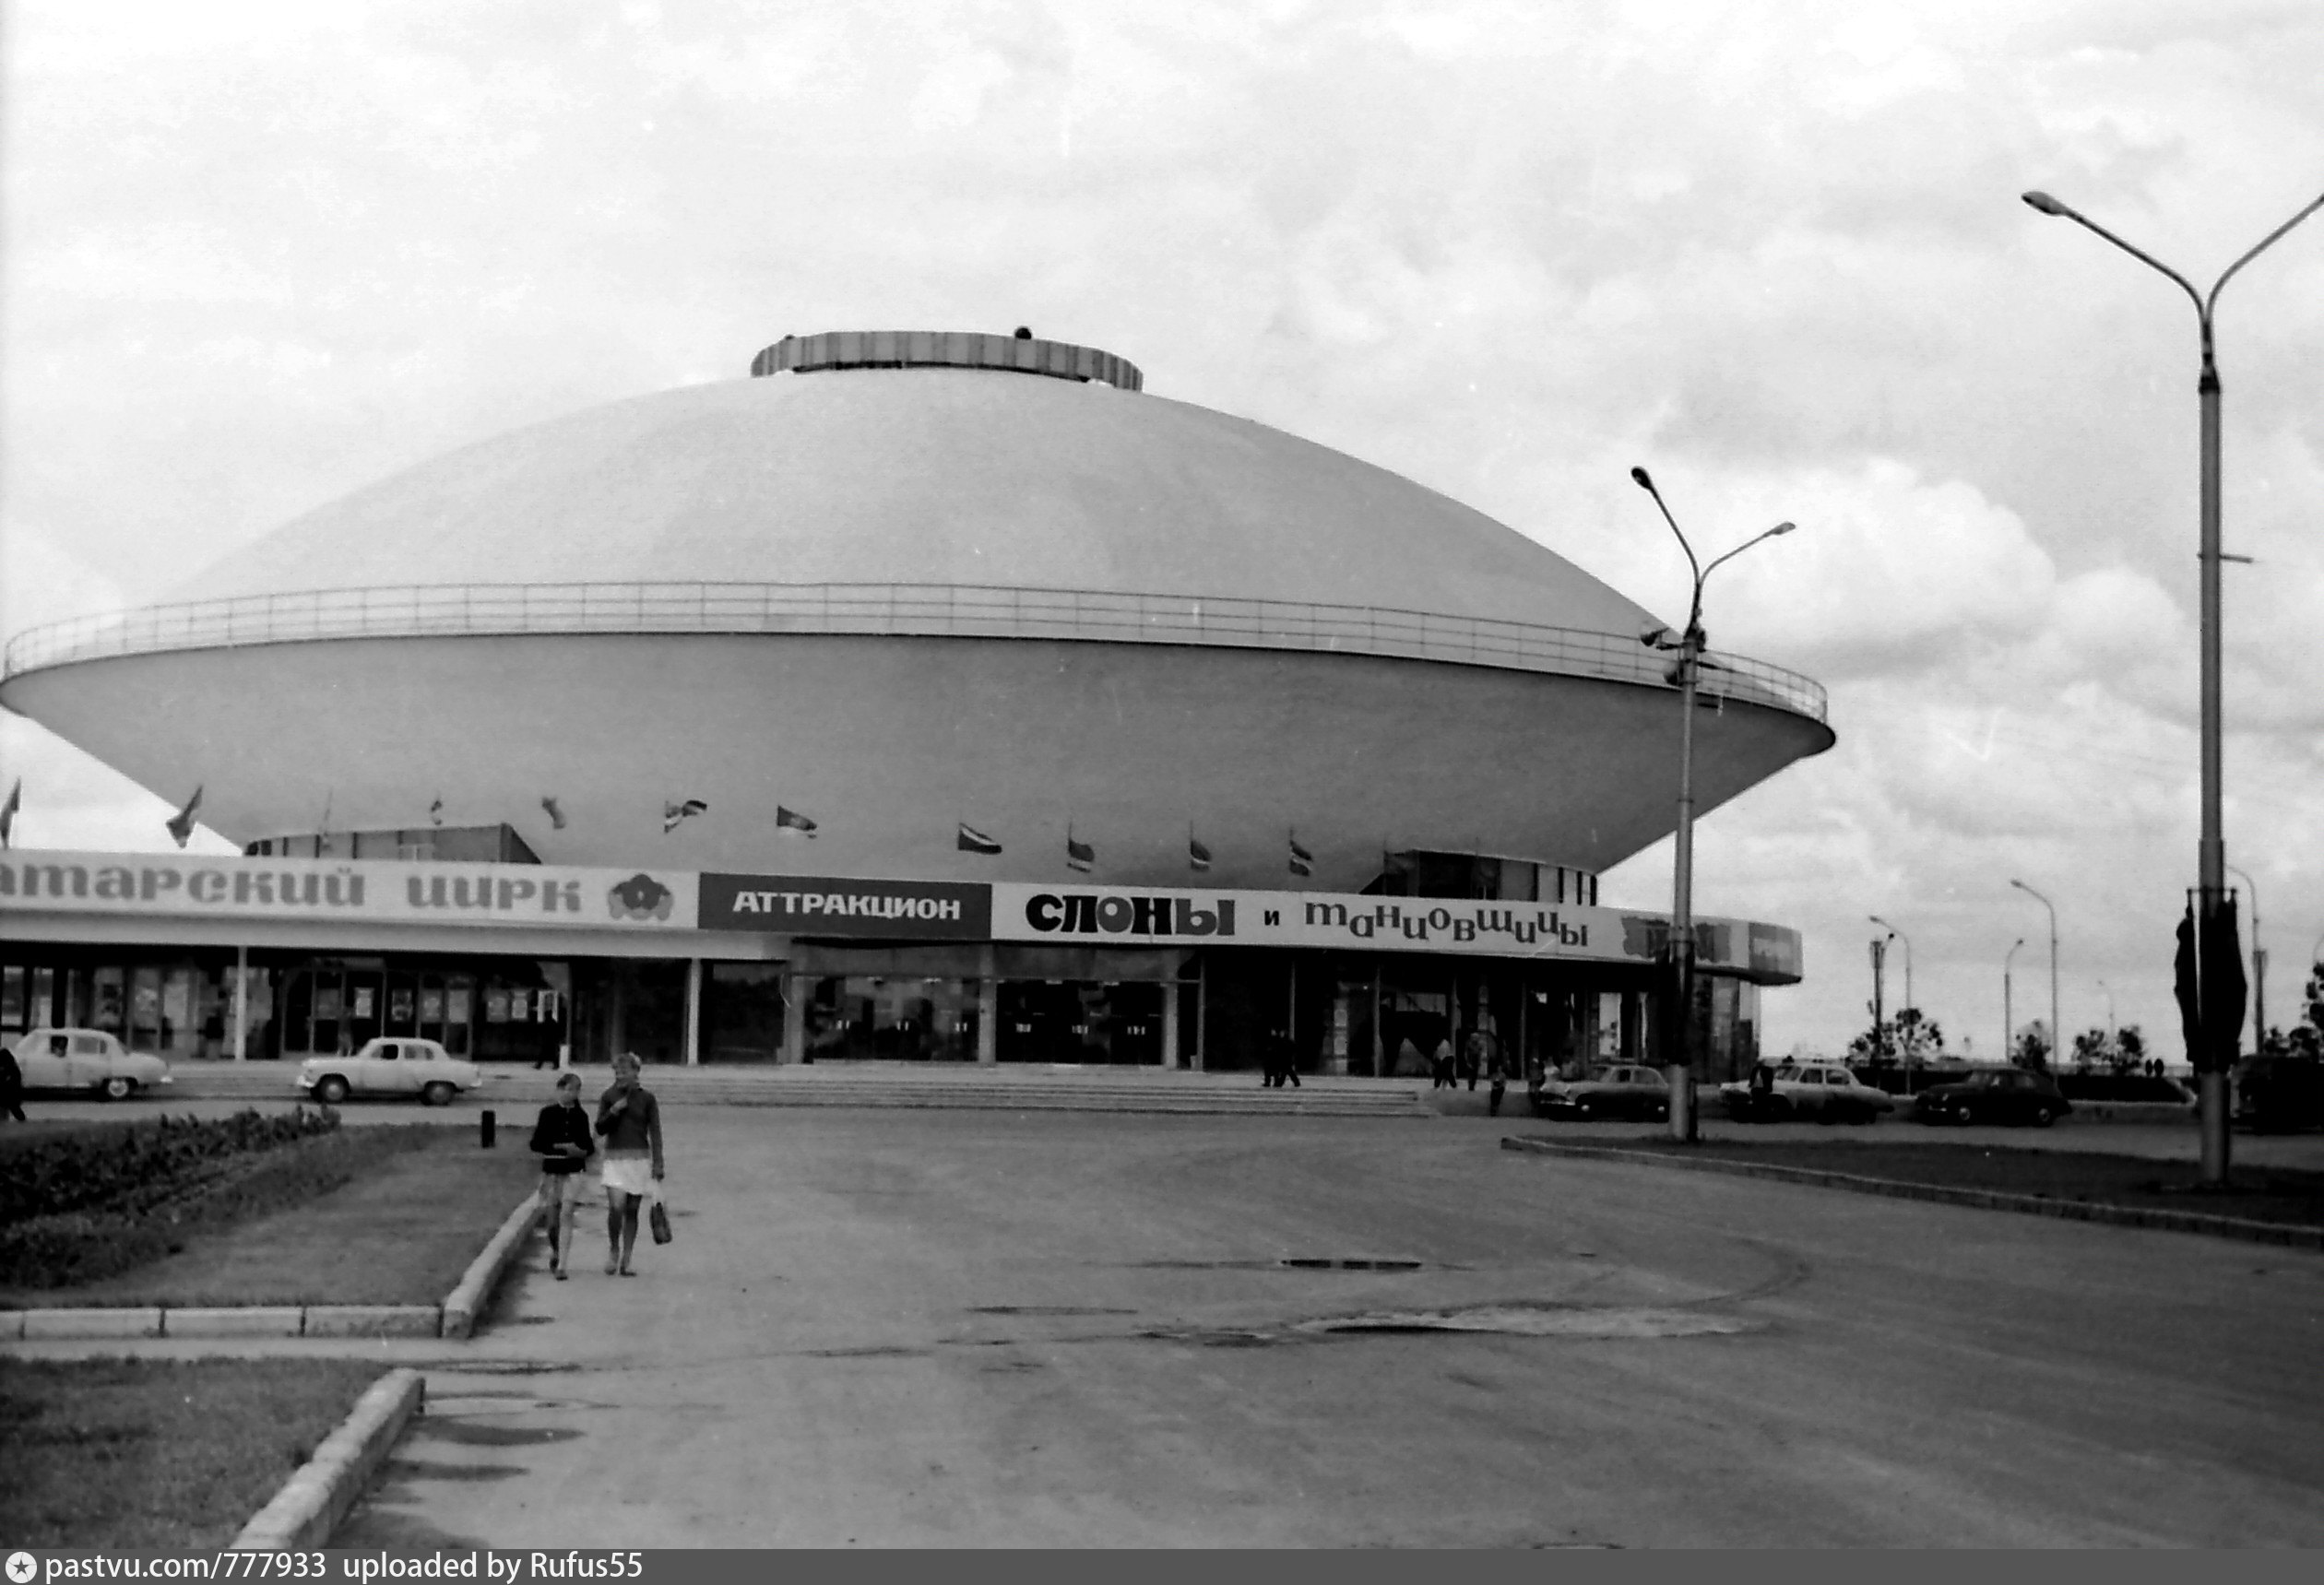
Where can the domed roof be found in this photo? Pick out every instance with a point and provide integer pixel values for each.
(925, 475)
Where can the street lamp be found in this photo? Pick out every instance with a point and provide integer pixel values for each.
(1900, 936)
(2045, 903)
(2107, 992)
(2008, 1027)
(1678, 1031)
(2259, 969)
(2211, 853)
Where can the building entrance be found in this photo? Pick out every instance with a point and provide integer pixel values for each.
(1081, 1022)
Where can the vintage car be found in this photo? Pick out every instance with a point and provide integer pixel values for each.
(2275, 1093)
(1996, 1096)
(1623, 1089)
(86, 1060)
(393, 1065)
(1806, 1091)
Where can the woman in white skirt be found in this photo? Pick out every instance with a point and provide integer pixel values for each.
(630, 1120)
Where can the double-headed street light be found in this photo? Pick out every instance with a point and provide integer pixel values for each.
(1900, 936)
(2211, 849)
(2045, 903)
(2008, 1029)
(1677, 1031)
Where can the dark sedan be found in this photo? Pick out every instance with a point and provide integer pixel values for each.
(2008, 1096)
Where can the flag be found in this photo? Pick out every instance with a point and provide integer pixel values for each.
(556, 815)
(971, 840)
(2183, 987)
(1197, 855)
(181, 824)
(8, 810)
(789, 820)
(674, 812)
(1302, 861)
(2223, 986)
(1078, 855)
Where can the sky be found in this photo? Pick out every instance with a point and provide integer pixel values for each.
(256, 256)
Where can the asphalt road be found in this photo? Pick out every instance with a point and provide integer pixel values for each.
(978, 1328)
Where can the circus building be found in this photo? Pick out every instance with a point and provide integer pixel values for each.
(938, 697)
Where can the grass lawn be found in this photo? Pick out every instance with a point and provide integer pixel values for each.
(2257, 1194)
(424, 1205)
(159, 1454)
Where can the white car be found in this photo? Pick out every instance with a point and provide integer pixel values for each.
(1809, 1091)
(86, 1060)
(393, 1065)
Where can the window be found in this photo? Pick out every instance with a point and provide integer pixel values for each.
(385, 1051)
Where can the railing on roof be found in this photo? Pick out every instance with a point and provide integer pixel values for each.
(945, 611)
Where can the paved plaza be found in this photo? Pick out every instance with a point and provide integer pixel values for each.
(925, 1328)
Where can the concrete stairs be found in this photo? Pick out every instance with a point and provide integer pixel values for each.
(910, 1084)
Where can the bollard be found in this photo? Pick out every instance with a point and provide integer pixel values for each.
(486, 1122)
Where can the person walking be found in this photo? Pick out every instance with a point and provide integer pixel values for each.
(562, 1139)
(629, 1118)
(1283, 1062)
(11, 1086)
(1440, 1065)
(1496, 1076)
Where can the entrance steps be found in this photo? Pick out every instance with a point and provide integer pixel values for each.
(909, 1084)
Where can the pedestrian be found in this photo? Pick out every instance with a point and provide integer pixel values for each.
(1283, 1059)
(630, 1119)
(1475, 1053)
(1496, 1077)
(562, 1139)
(11, 1086)
(1440, 1065)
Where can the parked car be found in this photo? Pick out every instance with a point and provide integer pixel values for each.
(1819, 1092)
(390, 1066)
(1997, 1096)
(2280, 1092)
(1624, 1090)
(86, 1060)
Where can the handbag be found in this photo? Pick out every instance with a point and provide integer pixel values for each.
(657, 1219)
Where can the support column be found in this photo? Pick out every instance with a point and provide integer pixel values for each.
(1202, 1019)
(987, 1006)
(795, 995)
(692, 1058)
(1171, 1021)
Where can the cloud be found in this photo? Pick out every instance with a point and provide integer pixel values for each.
(1774, 253)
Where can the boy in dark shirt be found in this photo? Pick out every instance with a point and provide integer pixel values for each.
(563, 1141)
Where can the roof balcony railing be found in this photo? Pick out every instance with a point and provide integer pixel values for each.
(942, 611)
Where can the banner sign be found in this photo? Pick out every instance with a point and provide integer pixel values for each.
(1097, 915)
(355, 891)
(546, 895)
(822, 906)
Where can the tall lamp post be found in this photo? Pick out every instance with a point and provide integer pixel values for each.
(1677, 1032)
(2258, 968)
(1900, 936)
(2009, 1028)
(2044, 902)
(2211, 852)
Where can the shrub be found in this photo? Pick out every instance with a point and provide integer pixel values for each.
(143, 1165)
(71, 1248)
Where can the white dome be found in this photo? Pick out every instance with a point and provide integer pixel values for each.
(925, 475)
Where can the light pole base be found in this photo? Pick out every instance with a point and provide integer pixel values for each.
(1682, 1103)
(2214, 1097)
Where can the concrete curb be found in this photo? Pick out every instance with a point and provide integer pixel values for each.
(469, 1300)
(1979, 1199)
(318, 1495)
(224, 1321)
